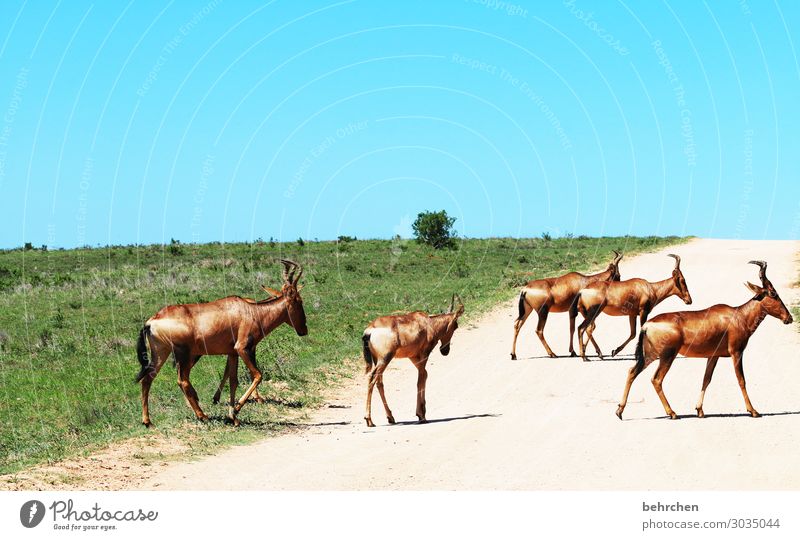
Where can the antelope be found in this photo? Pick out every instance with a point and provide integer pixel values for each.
(556, 295)
(718, 331)
(414, 336)
(632, 297)
(232, 326)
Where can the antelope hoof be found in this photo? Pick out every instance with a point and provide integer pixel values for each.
(232, 421)
(700, 413)
(551, 354)
(614, 353)
(672, 415)
(148, 424)
(369, 422)
(585, 359)
(215, 399)
(390, 419)
(619, 411)
(572, 354)
(755, 414)
(203, 418)
(601, 357)
(422, 420)
(513, 356)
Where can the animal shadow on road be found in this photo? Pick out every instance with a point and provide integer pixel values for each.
(717, 415)
(591, 358)
(451, 419)
(272, 425)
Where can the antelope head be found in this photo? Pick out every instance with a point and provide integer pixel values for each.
(680, 281)
(614, 266)
(768, 296)
(455, 312)
(294, 303)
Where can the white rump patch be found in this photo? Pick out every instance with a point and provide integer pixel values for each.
(166, 329)
(382, 340)
(658, 326)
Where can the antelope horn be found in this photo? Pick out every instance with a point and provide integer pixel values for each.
(452, 303)
(299, 273)
(763, 272)
(617, 256)
(289, 268)
(286, 267)
(460, 302)
(677, 260)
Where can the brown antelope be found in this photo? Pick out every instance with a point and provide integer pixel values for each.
(414, 336)
(556, 295)
(232, 326)
(718, 331)
(632, 298)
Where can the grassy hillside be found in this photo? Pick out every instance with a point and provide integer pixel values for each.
(69, 319)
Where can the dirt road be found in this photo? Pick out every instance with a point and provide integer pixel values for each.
(544, 423)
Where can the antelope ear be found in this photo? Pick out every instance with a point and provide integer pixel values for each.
(755, 288)
(270, 290)
(300, 288)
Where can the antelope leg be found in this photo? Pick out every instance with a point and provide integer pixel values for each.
(248, 356)
(658, 379)
(710, 365)
(633, 335)
(738, 366)
(389, 415)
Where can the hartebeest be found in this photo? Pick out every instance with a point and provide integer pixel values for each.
(232, 326)
(414, 336)
(718, 331)
(632, 298)
(556, 295)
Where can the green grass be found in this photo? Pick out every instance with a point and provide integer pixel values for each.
(69, 320)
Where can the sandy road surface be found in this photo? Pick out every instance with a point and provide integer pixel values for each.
(542, 423)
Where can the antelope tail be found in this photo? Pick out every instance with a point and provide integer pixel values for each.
(573, 308)
(368, 359)
(141, 352)
(640, 351)
(521, 306)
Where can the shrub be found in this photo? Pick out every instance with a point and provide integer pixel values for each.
(435, 229)
(175, 248)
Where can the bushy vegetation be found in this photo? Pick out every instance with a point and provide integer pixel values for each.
(69, 320)
(435, 229)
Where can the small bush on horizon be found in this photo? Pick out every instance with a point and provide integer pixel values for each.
(435, 229)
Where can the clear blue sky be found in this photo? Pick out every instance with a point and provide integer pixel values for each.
(138, 121)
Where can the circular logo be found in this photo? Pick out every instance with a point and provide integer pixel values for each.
(31, 513)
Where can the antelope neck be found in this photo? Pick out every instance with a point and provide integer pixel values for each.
(440, 324)
(663, 289)
(271, 315)
(752, 313)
